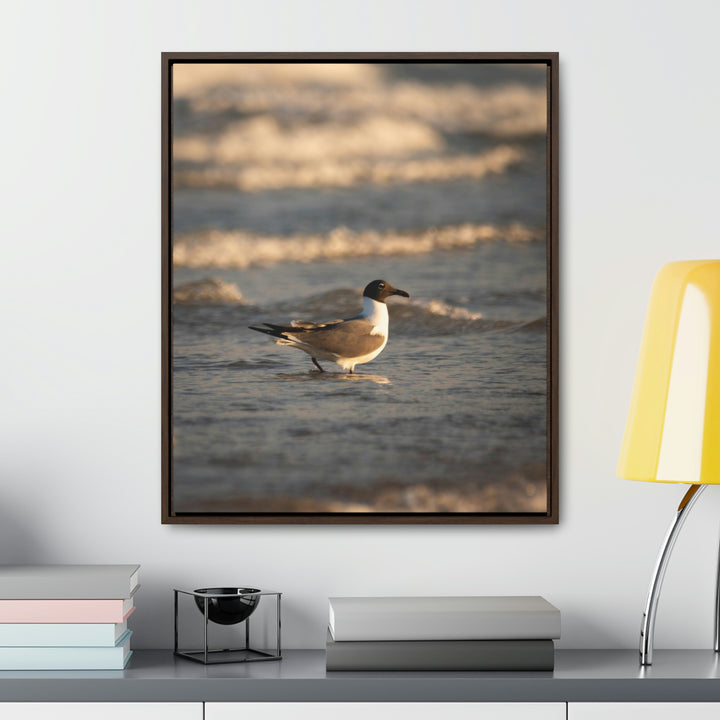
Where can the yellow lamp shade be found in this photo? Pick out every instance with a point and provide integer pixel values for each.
(673, 427)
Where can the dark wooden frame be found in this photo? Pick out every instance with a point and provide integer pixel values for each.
(551, 59)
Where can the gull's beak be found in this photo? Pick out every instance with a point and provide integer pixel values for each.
(400, 292)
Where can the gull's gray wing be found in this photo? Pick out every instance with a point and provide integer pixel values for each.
(349, 338)
(306, 325)
(298, 326)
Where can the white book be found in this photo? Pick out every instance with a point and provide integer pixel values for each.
(61, 634)
(443, 618)
(68, 582)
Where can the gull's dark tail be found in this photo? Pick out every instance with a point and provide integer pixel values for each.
(277, 331)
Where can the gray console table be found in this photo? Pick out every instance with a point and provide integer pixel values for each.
(580, 676)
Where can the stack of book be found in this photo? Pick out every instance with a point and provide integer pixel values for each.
(66, 617)
(442, 633)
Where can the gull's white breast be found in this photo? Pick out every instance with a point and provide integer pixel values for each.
(377, 313)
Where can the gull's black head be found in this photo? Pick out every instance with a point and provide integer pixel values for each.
(380, 290)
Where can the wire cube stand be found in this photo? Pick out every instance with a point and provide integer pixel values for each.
(208, 656)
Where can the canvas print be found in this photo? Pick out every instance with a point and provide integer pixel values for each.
(359, 310)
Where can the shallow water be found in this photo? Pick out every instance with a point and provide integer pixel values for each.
(456, 400)
(451, 416)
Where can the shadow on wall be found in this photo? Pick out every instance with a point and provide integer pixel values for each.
(19, 544)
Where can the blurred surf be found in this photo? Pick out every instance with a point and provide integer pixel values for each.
(241, 249)
(417, 317)
(257, 127)
(334, 172)
(509, 104)
(208, 291)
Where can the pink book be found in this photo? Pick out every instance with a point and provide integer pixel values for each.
(65, 611)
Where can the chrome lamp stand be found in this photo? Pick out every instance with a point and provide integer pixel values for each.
(648, 621)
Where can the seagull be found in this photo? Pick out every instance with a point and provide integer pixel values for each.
(348, 343)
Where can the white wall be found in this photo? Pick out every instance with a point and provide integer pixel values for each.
(80, 299)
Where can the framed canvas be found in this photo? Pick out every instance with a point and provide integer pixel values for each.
(359, 288)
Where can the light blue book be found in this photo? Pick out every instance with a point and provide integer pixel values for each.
(67, 658)
(61, 634)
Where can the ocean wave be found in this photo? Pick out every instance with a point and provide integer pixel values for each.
(416, 317)
(263, 127)
(536, 324)
(506, 111)
(438, 317)
(443, 309)
(335, 92)
(334, 172)
(240, 249)
(197, 79)
(264, 140)
(208, 291)
(496, 488)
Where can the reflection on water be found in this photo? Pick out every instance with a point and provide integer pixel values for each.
(330, 376)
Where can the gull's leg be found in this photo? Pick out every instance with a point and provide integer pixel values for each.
(317, 364)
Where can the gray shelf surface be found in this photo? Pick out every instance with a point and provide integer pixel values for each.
(579, 676)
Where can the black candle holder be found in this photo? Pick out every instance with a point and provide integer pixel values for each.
(227, 606)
